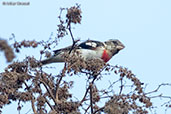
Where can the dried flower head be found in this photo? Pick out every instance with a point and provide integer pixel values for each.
(77, 64)
(74, 14)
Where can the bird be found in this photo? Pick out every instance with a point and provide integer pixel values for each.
(89, 49)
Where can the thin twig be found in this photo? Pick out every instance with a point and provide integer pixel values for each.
(92, 82)
(49, 104)
(32, 105)
(87, 109)
(59, 81)
(83, 99)
(91, 98)
(32, 98)
(121, 87)
(111, 85)
(61, 9)
(100, 109)
(49, 91)
(160, 96)
(69, 28)
(163, 84)
(73, 41)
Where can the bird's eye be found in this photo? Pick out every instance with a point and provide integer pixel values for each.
(116, 43)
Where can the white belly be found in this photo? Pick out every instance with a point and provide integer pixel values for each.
(91, 54)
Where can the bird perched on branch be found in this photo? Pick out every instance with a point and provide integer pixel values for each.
(89, 49)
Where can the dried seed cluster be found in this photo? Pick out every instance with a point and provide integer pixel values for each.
(77, 64)
(24, 43)
(74, 14)
(61, 30)
(124, 103)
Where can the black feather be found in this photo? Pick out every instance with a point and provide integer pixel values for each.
(90, 44)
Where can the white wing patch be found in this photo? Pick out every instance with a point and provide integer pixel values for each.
(92, 44)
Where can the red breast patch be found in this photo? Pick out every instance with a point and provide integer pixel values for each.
(105, 56)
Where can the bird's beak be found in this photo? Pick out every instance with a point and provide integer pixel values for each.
(120, 47)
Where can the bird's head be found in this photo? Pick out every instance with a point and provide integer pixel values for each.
(114, 46)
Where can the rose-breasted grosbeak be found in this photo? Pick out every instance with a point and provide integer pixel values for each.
(89, 49)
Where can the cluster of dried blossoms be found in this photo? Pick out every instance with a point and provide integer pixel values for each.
(73, 15)
(24, 43)
(135, 101)
(76, 64)
(20, 75)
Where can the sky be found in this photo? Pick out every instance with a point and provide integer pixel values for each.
(142, 25)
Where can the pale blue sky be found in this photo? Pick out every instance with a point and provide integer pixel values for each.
(144, 27)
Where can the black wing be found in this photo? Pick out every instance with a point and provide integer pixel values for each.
(90, 44)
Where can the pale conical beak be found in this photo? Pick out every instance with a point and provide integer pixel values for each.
(120, 47)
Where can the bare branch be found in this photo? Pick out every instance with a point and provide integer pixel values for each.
(121, 87)
(32, 99)
(159, 86)
(49, 91)
(73, 40)
(84, 98)
(91, 98)
(49, 104)
(59, 81)
(33, 107)
(100, 109)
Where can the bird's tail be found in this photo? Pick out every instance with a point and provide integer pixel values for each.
(53, 59)
(40, 63)
(46, 61)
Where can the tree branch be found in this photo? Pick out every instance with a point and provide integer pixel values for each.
(59, 81)
(73, 40)
(91, 98)
(32, 98)
(84, 98)
(49, 104)
(49, 91)
(163, 84)
(32, 105)
(100, 109)
(121, 87)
